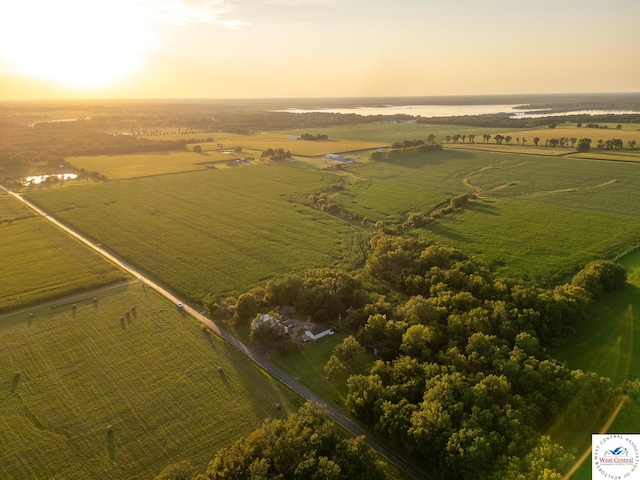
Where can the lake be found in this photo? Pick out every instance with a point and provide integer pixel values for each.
(430, 111)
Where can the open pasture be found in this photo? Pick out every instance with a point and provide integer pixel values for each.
(40, 262)
(86, 368)
(216, 230)
(117, 167)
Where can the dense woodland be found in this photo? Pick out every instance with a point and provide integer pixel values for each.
(462, 380)
(305, 446)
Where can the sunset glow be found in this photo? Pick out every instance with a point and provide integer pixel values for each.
(75, 43)
(313, 48)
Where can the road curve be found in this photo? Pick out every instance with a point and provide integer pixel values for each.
(406, 464)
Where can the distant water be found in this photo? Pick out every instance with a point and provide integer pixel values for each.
(430, 111)
(426, 111)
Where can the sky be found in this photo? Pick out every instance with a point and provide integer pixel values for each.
(315, 48)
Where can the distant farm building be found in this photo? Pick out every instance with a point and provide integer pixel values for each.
(318, 331)
(339, 158)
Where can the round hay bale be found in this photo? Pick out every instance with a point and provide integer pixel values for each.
(220, 370)
(109, 429)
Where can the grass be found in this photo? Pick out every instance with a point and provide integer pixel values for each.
(41, 262)
(83, 369)
(540, 242)
(609, 344)
(307, 364)
(213, 231)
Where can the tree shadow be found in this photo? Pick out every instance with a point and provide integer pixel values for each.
(16, 381)
(122, 324)
(111, 446)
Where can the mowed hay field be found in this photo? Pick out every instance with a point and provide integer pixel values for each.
(117, 167)
(152, 376)
(41, 262)
(213, 231)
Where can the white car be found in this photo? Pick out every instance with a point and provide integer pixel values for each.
(179, 305)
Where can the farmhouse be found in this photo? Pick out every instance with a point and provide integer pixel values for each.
(318, 331)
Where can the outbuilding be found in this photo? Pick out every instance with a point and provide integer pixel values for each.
(318, 331)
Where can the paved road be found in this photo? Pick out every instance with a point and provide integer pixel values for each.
(407, 465)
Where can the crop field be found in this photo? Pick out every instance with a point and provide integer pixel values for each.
(287, 141)
(83, 369)
(565, 211)
(306, 148)
(117, 167)
(542, 243)
(41, 262)
(213, 231)
(388, 190)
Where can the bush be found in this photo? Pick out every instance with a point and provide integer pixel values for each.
(601, 276)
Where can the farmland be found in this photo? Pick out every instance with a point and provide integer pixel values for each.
(565, 211)
(117, 167)
(287, 141)
(30, 245)
(216, 230)
(124, 372)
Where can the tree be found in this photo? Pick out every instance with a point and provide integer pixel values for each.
(348, 350)
(601, 276)
(246, 308)
(267, 326)
(333, 366)
(197, 148)
(536, 140)
(177, 471)
(584, 145)
(303, 446)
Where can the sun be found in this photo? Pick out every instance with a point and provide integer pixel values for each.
(81, 44)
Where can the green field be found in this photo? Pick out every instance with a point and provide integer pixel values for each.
(41, 262)
(117, 167)
(542, 243)
(152, 375)
(609, 343)
(541, 217)
(213, 231)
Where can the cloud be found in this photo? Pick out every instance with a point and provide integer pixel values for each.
(184, 12)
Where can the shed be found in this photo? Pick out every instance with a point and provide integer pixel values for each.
(318, 331)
